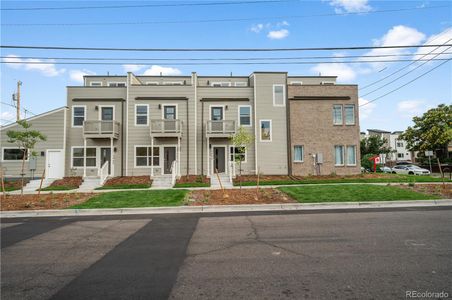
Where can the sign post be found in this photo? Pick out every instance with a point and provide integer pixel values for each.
(429, 154)
(376, 160)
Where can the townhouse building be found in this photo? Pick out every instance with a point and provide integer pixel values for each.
(181, 125)
(399, 152)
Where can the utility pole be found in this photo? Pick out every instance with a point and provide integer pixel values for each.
(16, 98)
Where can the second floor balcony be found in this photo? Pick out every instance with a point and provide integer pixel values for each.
(101, 129)
(166, 127)
(220, 128)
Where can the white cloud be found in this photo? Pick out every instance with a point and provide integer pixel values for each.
(366, 110)
(411, 108)
(437, 39)
(343, 71)
(278, 34)
(46, 69)
(350, 6)
(283, 23)
(7, 117)
(157, 70)
(257, 28)
(132, 68)
(77, 75)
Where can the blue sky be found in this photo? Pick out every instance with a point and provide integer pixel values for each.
(44, 86)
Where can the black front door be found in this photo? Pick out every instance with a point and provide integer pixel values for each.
(105, 155)
(219, 160)
(168, 158)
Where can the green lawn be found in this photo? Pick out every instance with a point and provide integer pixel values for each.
(59, 188)
(191, 184)
(392, 178)
(135, 199)
(124, 186)
(10, 188)
(352, 193)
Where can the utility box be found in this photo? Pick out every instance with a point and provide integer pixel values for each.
(32, 163)
(319, 158)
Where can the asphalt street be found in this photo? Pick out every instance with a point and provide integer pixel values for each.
(347, 254)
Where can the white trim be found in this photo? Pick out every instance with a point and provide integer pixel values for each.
(345, 114)
(47, 164)
(260, 132)
(14, 160)
(72, 117)
(195, 84)
(149, 155)
(327, 83)
(116, 83)
(217, 105)
(302, 154)
(232, 147)
(84, 155)
(99, 82)
(100, 111)
(241, 83)
(221, 83)
(343, 155)
(284, 95)
(172, 83)
(129, 78)
(255, 125)
(147, 115)
(251, 113)
(226, 159)
(170, 104)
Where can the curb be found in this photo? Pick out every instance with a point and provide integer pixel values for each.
(225, 208)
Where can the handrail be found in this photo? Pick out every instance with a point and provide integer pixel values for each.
(165, 126)
(173, 172)
(103, 173)
(101, 127)
(220, 126)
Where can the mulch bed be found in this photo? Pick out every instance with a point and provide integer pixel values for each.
(45, 201)
(128, 180)
(193, 179)
(73, 182)
(236, 196)
(16, 183)
(432, 189)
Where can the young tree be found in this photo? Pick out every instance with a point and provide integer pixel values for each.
(431, 131)
(25, 140)
(241, 140)
(374, 144)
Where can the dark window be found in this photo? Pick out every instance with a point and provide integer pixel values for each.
(14, 154)
(245, 115)
(79, 116)
(217, 113)
(169, 112)
(107, 113)
(142, 114)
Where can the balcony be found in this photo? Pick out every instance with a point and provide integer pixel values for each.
(101, 129)
(166, 128)
(221, 129)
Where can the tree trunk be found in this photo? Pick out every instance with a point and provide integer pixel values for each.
(22, 174)
(240, 174)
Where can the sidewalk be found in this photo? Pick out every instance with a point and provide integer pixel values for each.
(225, 208)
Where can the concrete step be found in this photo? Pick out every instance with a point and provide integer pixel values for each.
(162, 181)
(89, 184)
(225, 182)
(33, 185)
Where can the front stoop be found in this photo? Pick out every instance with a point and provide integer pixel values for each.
(215, 184)
(89, 184)
(161, 182)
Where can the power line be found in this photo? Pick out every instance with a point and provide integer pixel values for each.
(409, 82)
(24, 109)
(216, 49)
(146, 5)
(216, 63)
(217, 59)
(222, 20)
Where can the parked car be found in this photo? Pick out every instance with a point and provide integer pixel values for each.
(410, 170)
(386, 169)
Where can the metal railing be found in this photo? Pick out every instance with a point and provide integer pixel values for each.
(220, 127)
(103, 173)
(166, 126)
(98, 127)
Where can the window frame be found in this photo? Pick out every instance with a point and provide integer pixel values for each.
(14, 160)
(73, 116)
(251, 113)
(231, 153)
(100, 112)
(240, 84)
(346, 155)
(217, 106)
(221, 84)
(151, 83)
(343, 156)
(115, 83)
(342, 115)
(94, 83)
(97, 157)
(147, 114)
(260, 131)
(283, 95)
(297, 83)
(170, 104)
(302, 154)
(172, 83)
(345, 114)
(148, 155)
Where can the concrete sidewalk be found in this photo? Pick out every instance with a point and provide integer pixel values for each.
(225, 208)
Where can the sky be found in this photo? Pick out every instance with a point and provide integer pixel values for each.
(279, 24)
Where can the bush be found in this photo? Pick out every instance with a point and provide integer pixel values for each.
(366, 163)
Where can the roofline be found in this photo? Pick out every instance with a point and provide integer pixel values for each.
(291, 76)
(379, 130)
(34, 117)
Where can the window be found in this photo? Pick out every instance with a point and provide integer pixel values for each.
(278, 95)
(216, 113)
(144, 156)
(349, 111)
(400, 155)
(14, 154)
(141, 114)
(239, 153)
(266, 130)
(169, 112)
(351, 155)
(117, 84)
(245, 115)
(95, 83)
(337, 115)
(240, 83)
(339, 155)
(173, 83)
(298, 153)
(399, 144)
(78, 154)
(220, 84)
(107, 113)
(78, 115)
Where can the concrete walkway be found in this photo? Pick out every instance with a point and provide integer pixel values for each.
(225, 208)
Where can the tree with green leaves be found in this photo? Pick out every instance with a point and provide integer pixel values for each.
(25, 140)
(431, 131)
(241, 140)
(374, 145)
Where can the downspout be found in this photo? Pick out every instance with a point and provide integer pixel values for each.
(202, 138)
(122, 138)
(289, 136)
(188, 142)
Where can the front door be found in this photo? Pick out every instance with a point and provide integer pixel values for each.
(105, 155)
(219, 162)
(169, 155)
(55, 163)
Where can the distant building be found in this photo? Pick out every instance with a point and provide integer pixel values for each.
(399, 152)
